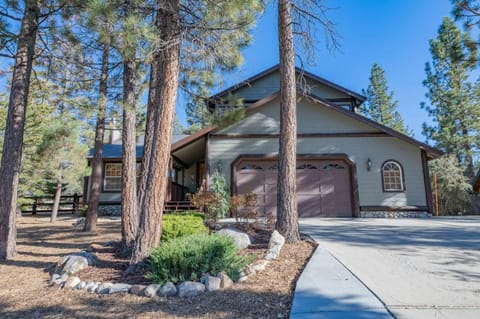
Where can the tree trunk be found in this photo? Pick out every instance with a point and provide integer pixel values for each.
(97, 163)
(151, 207)
(129, 159)
(58, 195)
(287, 216)
(13, 137)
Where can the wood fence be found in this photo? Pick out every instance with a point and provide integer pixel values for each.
(44, 204)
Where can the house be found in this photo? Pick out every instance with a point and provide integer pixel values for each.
(347, 165)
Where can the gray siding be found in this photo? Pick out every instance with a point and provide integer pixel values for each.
(270, 84)
(378, 149)
(311, 117)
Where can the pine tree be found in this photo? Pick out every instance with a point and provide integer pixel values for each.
(454, 104)
(102, 17)
(287, 215)
(380, 105)
(193, 45)
(13, 137)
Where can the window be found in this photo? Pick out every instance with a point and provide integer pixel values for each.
(330, 167)
(392, 177)
(113, 176)
(250, 167)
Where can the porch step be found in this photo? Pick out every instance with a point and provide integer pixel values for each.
(179, 206)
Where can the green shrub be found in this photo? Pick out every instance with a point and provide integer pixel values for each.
(187, 258)
(178, 225)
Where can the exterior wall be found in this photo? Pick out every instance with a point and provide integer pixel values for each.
(358, 149)
(311, 118)
(270, 84)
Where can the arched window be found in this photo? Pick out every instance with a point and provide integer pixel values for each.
(392, 177)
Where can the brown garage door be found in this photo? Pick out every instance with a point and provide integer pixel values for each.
(323, 186)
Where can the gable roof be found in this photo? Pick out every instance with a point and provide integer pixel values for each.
(433, 152)
(275, 68)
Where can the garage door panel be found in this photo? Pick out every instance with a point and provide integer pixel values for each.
(309, 205)
(323, 186)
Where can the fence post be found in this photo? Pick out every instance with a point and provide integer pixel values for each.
(75, 203)
(34, 207)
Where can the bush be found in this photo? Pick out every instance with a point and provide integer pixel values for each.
(187, 258)
(178, 225)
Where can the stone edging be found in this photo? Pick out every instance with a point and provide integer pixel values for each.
(70, 264)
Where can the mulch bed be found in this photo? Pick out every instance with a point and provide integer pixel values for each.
(25, 293)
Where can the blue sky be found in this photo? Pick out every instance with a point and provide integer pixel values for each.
(392, 33)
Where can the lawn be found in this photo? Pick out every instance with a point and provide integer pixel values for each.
(25, 292)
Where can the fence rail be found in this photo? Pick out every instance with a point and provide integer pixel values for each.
(44, 204)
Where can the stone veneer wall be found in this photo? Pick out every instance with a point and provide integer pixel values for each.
(394, 214)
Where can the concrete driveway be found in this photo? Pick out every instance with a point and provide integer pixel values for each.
(419, 268)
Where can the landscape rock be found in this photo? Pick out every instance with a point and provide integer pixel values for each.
(258, 267)
(151, 290)
(54, 279)
(118, 288)
(62, 279)
(274, 245)
(225, 281)
(190, 289)
(241, 239)
(92, 287)
(243, 278)
(79, 222)
(137, 290)
(71, 282)
(104, 288)
(73, 263)
(276, 239)
(81, 285)
(212, 283)
(167, 290)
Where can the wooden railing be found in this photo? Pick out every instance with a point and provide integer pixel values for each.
(44, 204)
(177, 192)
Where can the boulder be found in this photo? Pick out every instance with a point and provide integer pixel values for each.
(151, 290)
(276, 239)
(259, 266)
(212, 283)
(118, 288)
(104, 288)
(74, 263)
(71, 282)
(240, 239)
(243, 278)
(190, 289)
(274, 245)
(81, 285)
(167, 290)
(54, 279)
(92, 287)
(137, 290)
(225, 281)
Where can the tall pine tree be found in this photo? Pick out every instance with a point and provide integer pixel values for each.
(454, 104)
(380, 105)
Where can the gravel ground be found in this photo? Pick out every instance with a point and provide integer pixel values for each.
(25, 293)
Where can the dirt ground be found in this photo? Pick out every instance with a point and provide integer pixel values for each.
(25, 292)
